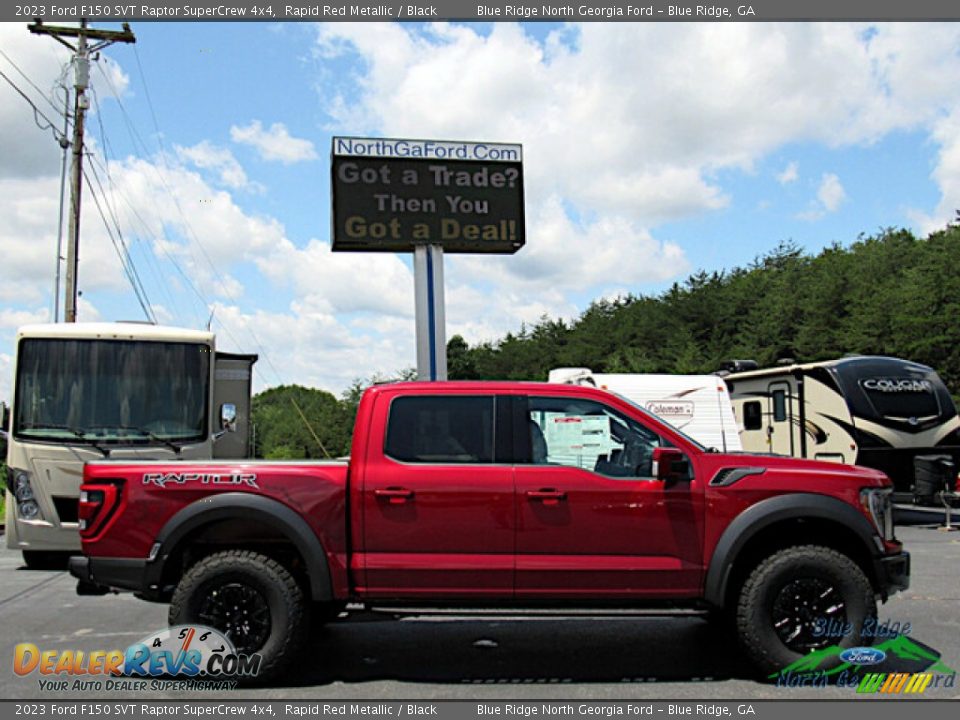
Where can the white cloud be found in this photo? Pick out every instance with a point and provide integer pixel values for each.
(624, 127)
(275, 143)
(830, 196)
(6, 372)
(206, 156)
(947, 176)
(789, 174)
(28, 150)
(341, 282)
(633, 120)
(314, 348)
(831, 193)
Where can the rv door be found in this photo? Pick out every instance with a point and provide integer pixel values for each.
(780, 435)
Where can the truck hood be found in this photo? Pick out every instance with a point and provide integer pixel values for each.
(797, 471)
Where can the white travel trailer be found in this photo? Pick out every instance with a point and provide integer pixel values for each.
(698, 405)
(880, 412)
(125, 391)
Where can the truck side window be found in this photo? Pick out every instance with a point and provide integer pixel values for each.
(589, 435)
(752, 415)
(440, 429)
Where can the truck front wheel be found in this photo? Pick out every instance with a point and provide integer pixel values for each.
(252, 599)
(801, 600)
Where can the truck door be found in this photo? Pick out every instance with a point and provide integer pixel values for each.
(592, 521)
(437, 509)
(780, 419)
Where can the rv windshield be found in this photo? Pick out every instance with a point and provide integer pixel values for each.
(111, 391)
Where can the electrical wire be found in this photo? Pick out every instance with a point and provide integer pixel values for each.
(32, 83)
(120, 247)
(196, 240)
(149, 257)
(37, 112)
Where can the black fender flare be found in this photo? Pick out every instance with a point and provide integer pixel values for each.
(238, 505)
(765, 513)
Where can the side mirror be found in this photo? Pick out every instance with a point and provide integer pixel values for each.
(228, 417)
(669, 463)
(5, 423)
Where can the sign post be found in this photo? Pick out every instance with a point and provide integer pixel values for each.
(431, 323)
(428, 197)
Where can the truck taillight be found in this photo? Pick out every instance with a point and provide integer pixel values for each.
(97, 505)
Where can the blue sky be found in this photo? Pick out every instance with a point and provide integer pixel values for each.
(651, 151)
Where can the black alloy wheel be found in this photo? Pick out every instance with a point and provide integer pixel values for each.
(239, 611)
(801, 607)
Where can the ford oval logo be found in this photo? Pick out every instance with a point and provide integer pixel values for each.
(863, 656)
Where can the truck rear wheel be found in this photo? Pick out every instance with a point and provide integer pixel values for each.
(801, 600)
(252, 599)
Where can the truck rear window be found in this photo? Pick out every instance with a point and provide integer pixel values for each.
(441, 429)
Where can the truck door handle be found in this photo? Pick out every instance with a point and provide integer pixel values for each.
(395, 495)
(548, 496)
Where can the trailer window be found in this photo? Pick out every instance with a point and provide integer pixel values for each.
(441, 429)
(752, 415)
(779, 405)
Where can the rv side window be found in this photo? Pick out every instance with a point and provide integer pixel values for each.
(779, 405)
(752, 415)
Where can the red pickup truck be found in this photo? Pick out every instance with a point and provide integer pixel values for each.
(498, 494)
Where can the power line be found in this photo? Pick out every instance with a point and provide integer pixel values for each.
(148, 255)
(121, 249)
(37, 112)
(32, 83)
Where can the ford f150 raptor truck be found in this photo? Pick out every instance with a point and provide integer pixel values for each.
(496, 494)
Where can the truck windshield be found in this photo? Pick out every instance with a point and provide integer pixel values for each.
(111, 391)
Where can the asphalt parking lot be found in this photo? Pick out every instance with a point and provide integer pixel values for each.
(372, 656)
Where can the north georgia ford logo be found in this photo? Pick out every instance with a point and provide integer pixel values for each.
(863, 656)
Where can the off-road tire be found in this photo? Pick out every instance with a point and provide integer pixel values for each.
(288, 617)
(774, 577)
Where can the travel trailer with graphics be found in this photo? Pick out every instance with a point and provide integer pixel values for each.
(880, 412)
(697, 405)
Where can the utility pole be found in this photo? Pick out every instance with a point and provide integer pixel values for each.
(81, 64)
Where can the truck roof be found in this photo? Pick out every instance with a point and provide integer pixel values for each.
(115, 331)
(485, 386)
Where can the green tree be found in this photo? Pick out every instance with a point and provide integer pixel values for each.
(295, 422)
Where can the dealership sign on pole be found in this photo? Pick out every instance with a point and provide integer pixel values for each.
(428, 197)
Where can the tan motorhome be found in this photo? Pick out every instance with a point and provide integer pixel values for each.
(122, 391)
(880, 412)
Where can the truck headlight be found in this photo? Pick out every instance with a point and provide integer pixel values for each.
(878, 502)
